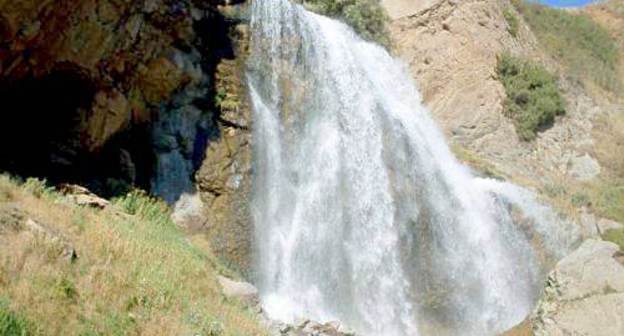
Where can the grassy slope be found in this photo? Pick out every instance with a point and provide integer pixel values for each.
(135, 274)
(610, 132)
(589, 45)
(610, 14)
(585, 48)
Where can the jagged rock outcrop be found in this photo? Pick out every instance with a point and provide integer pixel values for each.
(82, 196)
(123, 50)
(116, 94)
(584, 294)
(86, 78)
(224, 177)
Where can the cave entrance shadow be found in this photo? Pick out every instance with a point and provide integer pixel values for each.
(40, 135)
(214, 43)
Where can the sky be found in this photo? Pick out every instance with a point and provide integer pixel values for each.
(566, 3)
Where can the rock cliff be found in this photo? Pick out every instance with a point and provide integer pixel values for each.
(119, 94)
(451, 48)
(84, 79)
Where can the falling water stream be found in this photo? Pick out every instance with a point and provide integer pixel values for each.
(361, 212)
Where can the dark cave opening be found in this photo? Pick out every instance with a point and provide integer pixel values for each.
(40, 136)
(43, 132)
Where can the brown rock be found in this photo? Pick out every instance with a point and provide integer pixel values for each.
(451, 48)
(110, 114)
(114, 45)
(83, 197)
(158, 80)
(65, 249)
(224, 178)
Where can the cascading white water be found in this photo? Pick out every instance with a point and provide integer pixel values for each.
(362, 214)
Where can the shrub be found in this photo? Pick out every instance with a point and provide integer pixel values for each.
(145, 207)
(533, 98)
(512, 22)
(366, 17)
(39, 188)
(584, 47)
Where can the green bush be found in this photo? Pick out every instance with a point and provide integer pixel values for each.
(366, 17)
(39, 188)
(512, 22)
(12, 324)
(584, 47)
(533, 98)
(145, 207)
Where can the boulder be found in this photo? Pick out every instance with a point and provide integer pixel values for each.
(603, 225)
(83, 197)
(188, 212)
(240, 290)
(584, 294)
(64, 247)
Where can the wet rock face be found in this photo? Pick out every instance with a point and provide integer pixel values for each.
(224, 176)
(83, 82)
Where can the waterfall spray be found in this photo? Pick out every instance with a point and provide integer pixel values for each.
(361, 212)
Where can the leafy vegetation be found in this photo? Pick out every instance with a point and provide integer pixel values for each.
(366, 17)
(136, 273)
(533, 98)
(512, 22)
(584, 47)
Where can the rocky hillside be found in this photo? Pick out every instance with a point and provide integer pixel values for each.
(74, 264)
(452, 49)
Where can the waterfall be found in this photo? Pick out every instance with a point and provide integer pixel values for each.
(361, 212)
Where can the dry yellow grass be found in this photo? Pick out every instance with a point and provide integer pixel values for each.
(134, 275)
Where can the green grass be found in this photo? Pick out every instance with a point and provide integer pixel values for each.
(136, 272)
(533, 97)
(584, 47)
(367, 17)
(604, 196)
(608, 199)
(615, 236)
(13, 324)
(512, 22)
